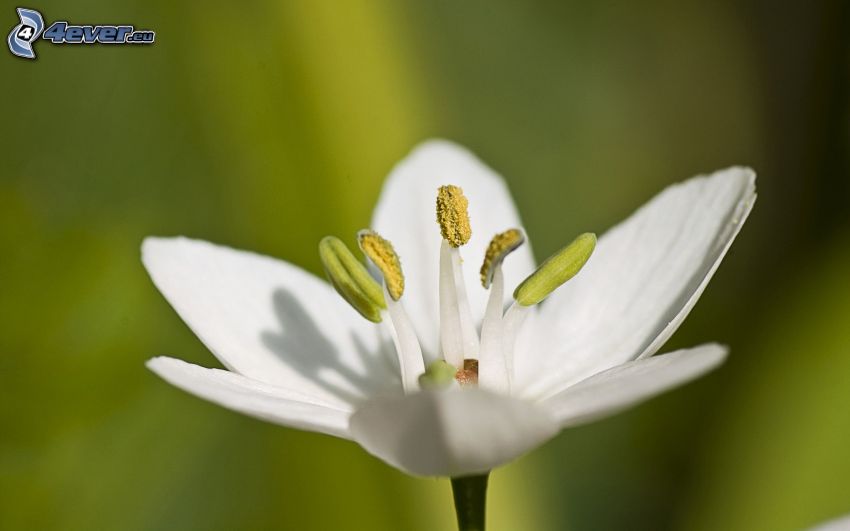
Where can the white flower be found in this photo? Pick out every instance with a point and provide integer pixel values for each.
(299, 356)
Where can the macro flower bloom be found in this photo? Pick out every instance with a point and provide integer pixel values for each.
(427, 370)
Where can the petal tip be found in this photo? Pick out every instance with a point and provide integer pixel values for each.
(716, 352)
(446, 154)
(744, 174)
(438, 145)
(154, 244)
(159, 364)
(148, 244)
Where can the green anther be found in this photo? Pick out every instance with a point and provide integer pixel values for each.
(500, 246)
(557, 269)
(437, 375)
(351, 279)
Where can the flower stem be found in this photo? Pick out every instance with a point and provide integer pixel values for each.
(470, 495)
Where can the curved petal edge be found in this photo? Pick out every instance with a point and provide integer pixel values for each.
(450, 433)
(254, 398)
(626, 385)
(643, 279)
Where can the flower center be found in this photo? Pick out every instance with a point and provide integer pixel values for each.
(466, 358)
(468, 375)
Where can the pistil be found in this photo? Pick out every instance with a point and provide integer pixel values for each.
(468, 375)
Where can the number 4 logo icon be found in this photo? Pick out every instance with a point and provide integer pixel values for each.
(24, 34)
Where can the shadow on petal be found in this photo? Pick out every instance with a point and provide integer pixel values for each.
(351, 376)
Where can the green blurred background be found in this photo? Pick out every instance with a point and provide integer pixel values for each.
(266, 125)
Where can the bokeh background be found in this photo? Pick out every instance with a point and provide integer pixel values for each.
(267, 125)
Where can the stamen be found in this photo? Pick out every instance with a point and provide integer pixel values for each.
(458, 335)
(453, 215)
(557, 269)
(493, 373)
(511, 325)
(451, 338)
(410, 361)
(382, 254)
(500, 246)
(350, 279)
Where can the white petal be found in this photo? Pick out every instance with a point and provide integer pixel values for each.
(642, 280)
(839, 524)
(254, 398)
(628, 384)
(406, 215)
(271, 321)
(450, 433)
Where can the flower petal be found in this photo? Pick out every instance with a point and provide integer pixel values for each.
(254, 398)
(628, 384)
(839, 524)
(271, 321)
(406, 215)
(450, 433)
(642, 280)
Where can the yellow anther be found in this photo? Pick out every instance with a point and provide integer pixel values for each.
(452, 215)
(500, 246)
(382, 254)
